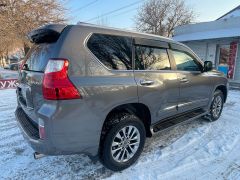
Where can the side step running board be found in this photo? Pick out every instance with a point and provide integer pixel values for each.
(173, 121)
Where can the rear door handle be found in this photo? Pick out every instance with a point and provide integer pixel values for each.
(184, 80)
(146, 82)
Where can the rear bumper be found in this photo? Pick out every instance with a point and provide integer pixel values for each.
(30, 133)
(67, 142)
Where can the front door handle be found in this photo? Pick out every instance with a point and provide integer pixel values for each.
(146, 82)
(184, 80)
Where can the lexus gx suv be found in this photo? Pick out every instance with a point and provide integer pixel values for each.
(102, 91)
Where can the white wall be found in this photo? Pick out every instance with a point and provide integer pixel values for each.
(199, 48)
(205, 50)
(211, 53)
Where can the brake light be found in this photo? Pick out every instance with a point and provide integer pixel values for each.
(56, 84)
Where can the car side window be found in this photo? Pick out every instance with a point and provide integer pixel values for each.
(151, 58)
(185, 62)
(115, 52)
(37, 58)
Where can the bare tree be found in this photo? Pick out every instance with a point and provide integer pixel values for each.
(18, 17)
(162, 16)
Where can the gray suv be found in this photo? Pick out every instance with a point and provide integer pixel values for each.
(102, 91)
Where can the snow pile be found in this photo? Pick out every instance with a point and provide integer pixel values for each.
(8, 74)
(197, 150)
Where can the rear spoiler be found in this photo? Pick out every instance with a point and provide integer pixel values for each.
(46, 34)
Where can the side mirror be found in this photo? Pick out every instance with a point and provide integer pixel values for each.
(208, 66)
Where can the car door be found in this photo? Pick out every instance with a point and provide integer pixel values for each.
(158, 85)
(195, 85)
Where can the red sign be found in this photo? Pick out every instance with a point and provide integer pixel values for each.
(232, 59)
(8, 83)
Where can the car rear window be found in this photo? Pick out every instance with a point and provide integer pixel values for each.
(37, 58)
(114, 52)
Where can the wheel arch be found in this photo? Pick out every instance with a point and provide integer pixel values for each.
(223, 89)
(138, 109)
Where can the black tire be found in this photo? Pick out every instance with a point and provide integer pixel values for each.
(115, 124)
(211, 116)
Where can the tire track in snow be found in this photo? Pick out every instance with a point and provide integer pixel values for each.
(212, 147)
(7, 120)
(169, 149)
(7, 128)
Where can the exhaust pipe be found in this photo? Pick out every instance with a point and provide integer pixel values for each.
(37, 155)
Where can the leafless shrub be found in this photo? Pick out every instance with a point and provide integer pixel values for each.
(162, 16)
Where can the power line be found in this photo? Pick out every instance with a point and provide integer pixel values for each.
(124, 12)
(116, 10)
(86, 5)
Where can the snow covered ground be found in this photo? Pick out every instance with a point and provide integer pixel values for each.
(197, 150)
(8, 74)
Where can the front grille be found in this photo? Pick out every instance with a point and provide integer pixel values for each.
(29, 127)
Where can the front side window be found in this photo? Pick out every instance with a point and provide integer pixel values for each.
(151, 58)
(184, 62)
(114, 52)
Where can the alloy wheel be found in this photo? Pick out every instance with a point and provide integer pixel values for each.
(217, 106)
(125, 144)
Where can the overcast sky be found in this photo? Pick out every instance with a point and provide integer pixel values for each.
(92, 11)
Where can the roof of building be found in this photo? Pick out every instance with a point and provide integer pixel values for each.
(222, 28)
(230, 12)
(221, 33)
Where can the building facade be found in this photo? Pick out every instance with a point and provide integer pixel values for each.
(217, 41)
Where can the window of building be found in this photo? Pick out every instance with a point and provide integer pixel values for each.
(184, 62)
(151, 58)
(227, 59)
(114, 52)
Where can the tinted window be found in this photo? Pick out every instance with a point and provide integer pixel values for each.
(185, 62)
(149, 58)
(113, 51)
(37, 58)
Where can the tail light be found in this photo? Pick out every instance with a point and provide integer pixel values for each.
(56, 84)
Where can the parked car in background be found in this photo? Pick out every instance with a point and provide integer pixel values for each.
(14, 66)
(102, 91)
(6, 66)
